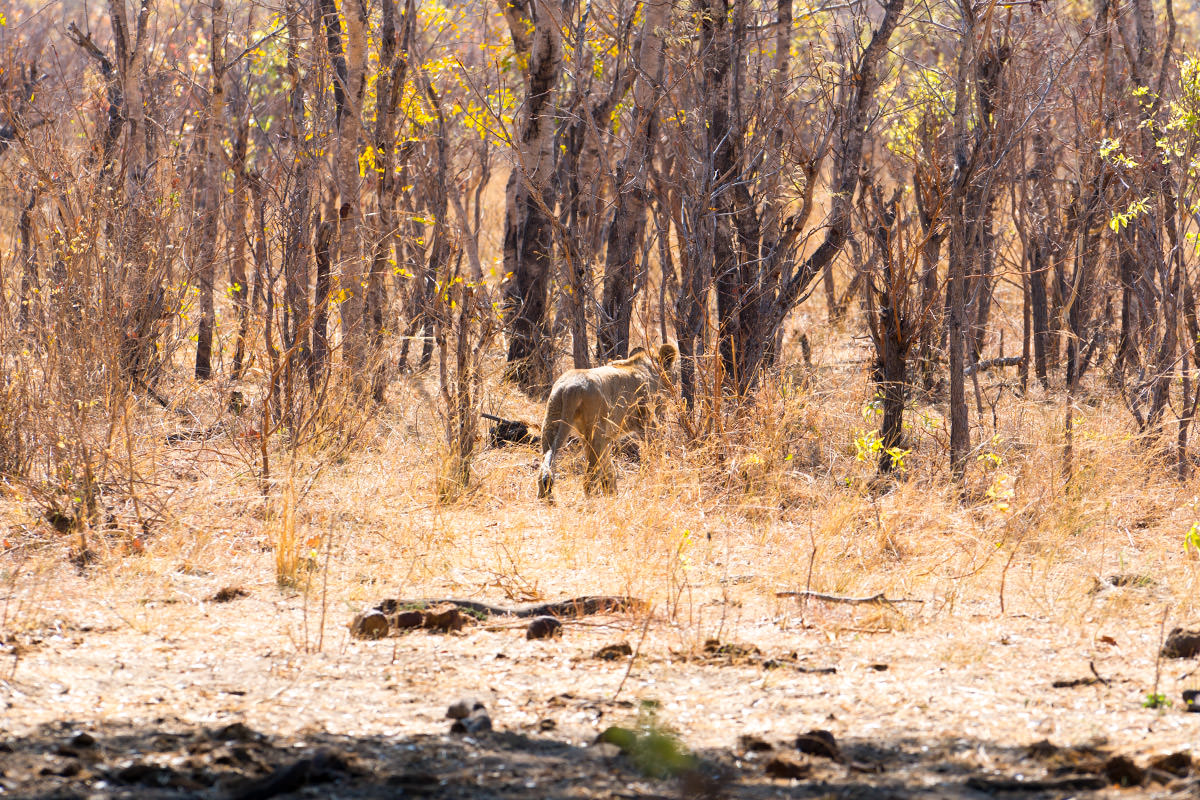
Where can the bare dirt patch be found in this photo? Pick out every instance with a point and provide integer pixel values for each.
(177, 695)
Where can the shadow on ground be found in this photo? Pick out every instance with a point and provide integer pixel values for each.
(175, 760)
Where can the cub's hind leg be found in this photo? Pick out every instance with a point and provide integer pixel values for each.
(601, 473)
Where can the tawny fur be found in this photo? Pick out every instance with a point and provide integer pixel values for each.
(601, 405)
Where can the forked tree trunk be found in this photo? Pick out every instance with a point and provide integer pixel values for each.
(793, 279)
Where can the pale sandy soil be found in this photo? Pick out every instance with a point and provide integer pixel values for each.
(963, 693)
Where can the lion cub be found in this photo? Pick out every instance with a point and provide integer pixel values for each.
(600, 405)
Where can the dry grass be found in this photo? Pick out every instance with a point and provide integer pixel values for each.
(120, 520)
(779, 501)
(707, 533)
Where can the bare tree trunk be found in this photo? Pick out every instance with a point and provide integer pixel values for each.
(30, 308)
(322, 255)
(297, 232)
(349, 86)
(440, 251)
(960, 437)
(214, 169)
(389, 83)
(854, 120)
(627, 230)
(1041, 253)
(238, 279)
(528, 230)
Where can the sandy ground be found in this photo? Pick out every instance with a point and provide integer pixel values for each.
(920, 701)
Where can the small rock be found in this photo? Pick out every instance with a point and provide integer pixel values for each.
(784, 766)
(139, 772)
(754, 744)
(1042, 749)
(237, 732)
(612, 652)
(878, 667)
(1124, 772)
(477, 721)
(546, 724)
(1178, 764)
(1181, 644)
(371, 625)
(407, 620)
(228, 594)
(82, 739)
(543, 628)
(819, 743)
(444, 618)
(461, 709)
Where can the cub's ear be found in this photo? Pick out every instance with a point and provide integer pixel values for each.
(635, 351)
(666, 355)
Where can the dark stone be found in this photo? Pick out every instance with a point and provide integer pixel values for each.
(228, 594)
(371, 625)
(1178, 764)
(237, 732)
(819, 743)
(785, 767)
(82, 739)
(1181, 644)
(543, 628)
(1124, 772)
(612, 652)
(754, 744)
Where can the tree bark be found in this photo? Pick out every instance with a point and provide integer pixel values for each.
(389, 83)
(214, 169)
(960, 437)
(626, 233)
(349, 87)
(528, 229)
